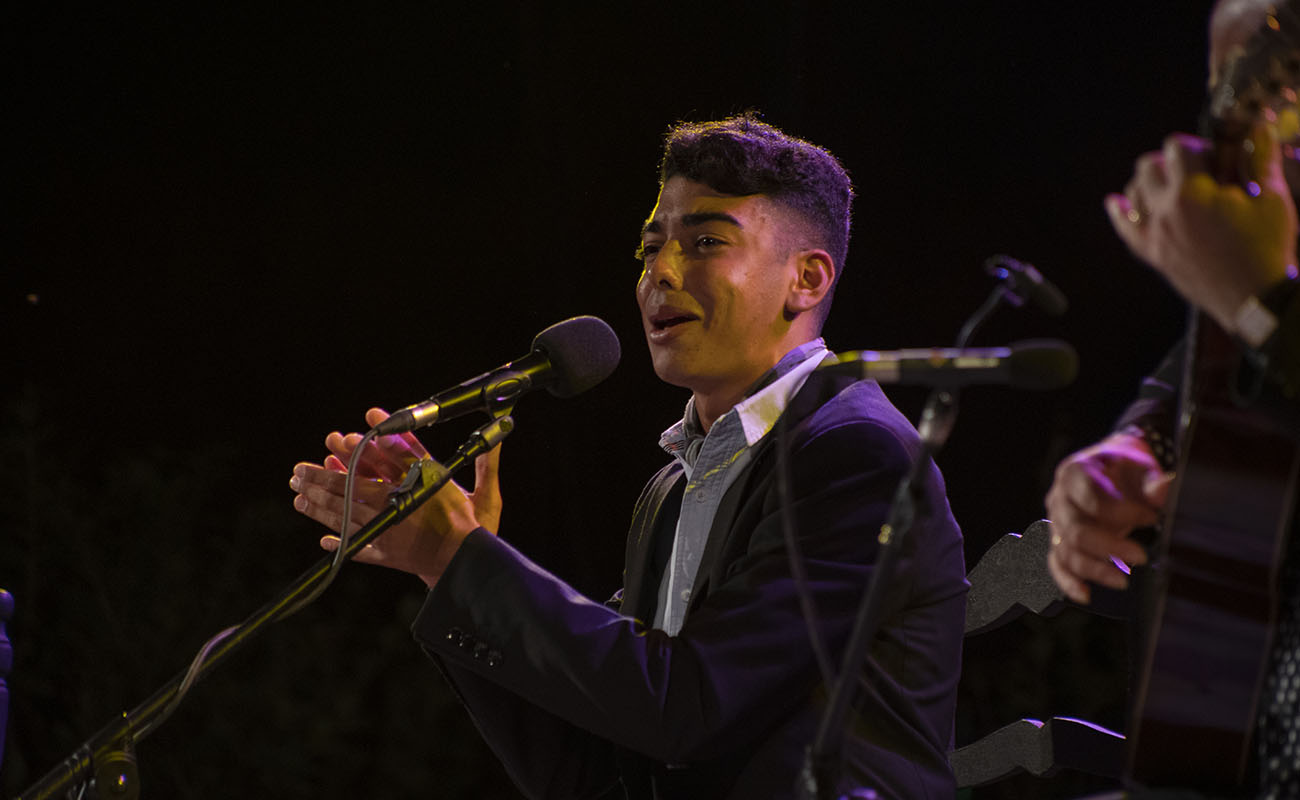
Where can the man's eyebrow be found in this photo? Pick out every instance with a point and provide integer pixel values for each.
(691, 220)
(699, 218)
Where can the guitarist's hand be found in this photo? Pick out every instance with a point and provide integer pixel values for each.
(1099, 496)
(1217, 243)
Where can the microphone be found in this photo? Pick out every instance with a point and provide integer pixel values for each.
(567, 358)
(1023, 282)
(1034, 364)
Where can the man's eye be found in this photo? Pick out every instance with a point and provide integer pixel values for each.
(646, 251)
(705, 242)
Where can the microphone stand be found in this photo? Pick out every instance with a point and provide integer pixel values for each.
(823, 759)
(107, 759)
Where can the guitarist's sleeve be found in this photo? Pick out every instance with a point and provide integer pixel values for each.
(1269, 378)
(1153, 412)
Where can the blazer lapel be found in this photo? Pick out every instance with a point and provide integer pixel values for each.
(659, 503)
(816, 392)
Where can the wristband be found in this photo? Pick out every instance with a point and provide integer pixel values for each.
(1254, 322)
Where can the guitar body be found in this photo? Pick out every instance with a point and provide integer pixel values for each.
(1215, 589)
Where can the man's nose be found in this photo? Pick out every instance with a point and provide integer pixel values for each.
(666, 268)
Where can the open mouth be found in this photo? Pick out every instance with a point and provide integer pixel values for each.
(665, 322)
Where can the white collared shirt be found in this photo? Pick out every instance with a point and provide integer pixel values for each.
(711, 463)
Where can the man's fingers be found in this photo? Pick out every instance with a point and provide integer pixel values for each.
(486, 498)
(402, 448)
(1075, 529)
(1156, 488)
(1183, 155)
(394, 456)
(1124, 218)
(342, 447)
(1087, 567)
(1098, 497)
(1079, 533)
(366, 555)
(1074, 572)
(305, 475)
(330, 513)
(1266, 155)
(1074, 588)
(387, 457)
(336, 443)
(487, 469)
(320, 496)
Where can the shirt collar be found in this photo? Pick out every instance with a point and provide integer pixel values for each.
(757, 413)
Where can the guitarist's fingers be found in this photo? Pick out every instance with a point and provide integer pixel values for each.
(1074, 588)
(1150, 177)
(1079, 565)
(1124, 218)
(1183, 156)
(1156, 488)
(1091, 491)
(1076, 532)
(1127, 493)
(1266, 153)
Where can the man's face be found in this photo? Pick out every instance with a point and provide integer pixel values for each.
(713, 290)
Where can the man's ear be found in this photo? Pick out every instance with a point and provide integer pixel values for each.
(814, 277)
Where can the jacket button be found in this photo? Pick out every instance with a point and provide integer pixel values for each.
(493, 658)
(455, 635)
(466, 642)
(481, 650)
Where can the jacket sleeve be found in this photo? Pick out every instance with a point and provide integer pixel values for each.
(1267, 379)
(545, 755)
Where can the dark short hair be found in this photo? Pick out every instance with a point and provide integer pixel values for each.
(743, 155)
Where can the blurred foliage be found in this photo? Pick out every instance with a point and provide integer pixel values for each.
(123, 563)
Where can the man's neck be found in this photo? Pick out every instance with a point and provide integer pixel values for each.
(709, 406)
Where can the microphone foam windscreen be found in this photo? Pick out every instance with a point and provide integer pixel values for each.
(583, 351)
(1043, 364)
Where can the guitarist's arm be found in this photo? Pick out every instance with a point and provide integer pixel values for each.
(1232, 255)
(1152, 414)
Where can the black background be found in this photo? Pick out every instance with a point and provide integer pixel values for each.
(229, 232)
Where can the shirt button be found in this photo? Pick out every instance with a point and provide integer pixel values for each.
(701, 496)
(686, 595)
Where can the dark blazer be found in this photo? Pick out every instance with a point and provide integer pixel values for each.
(581, 700)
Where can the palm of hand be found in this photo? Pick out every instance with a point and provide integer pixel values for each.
(424, 543)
